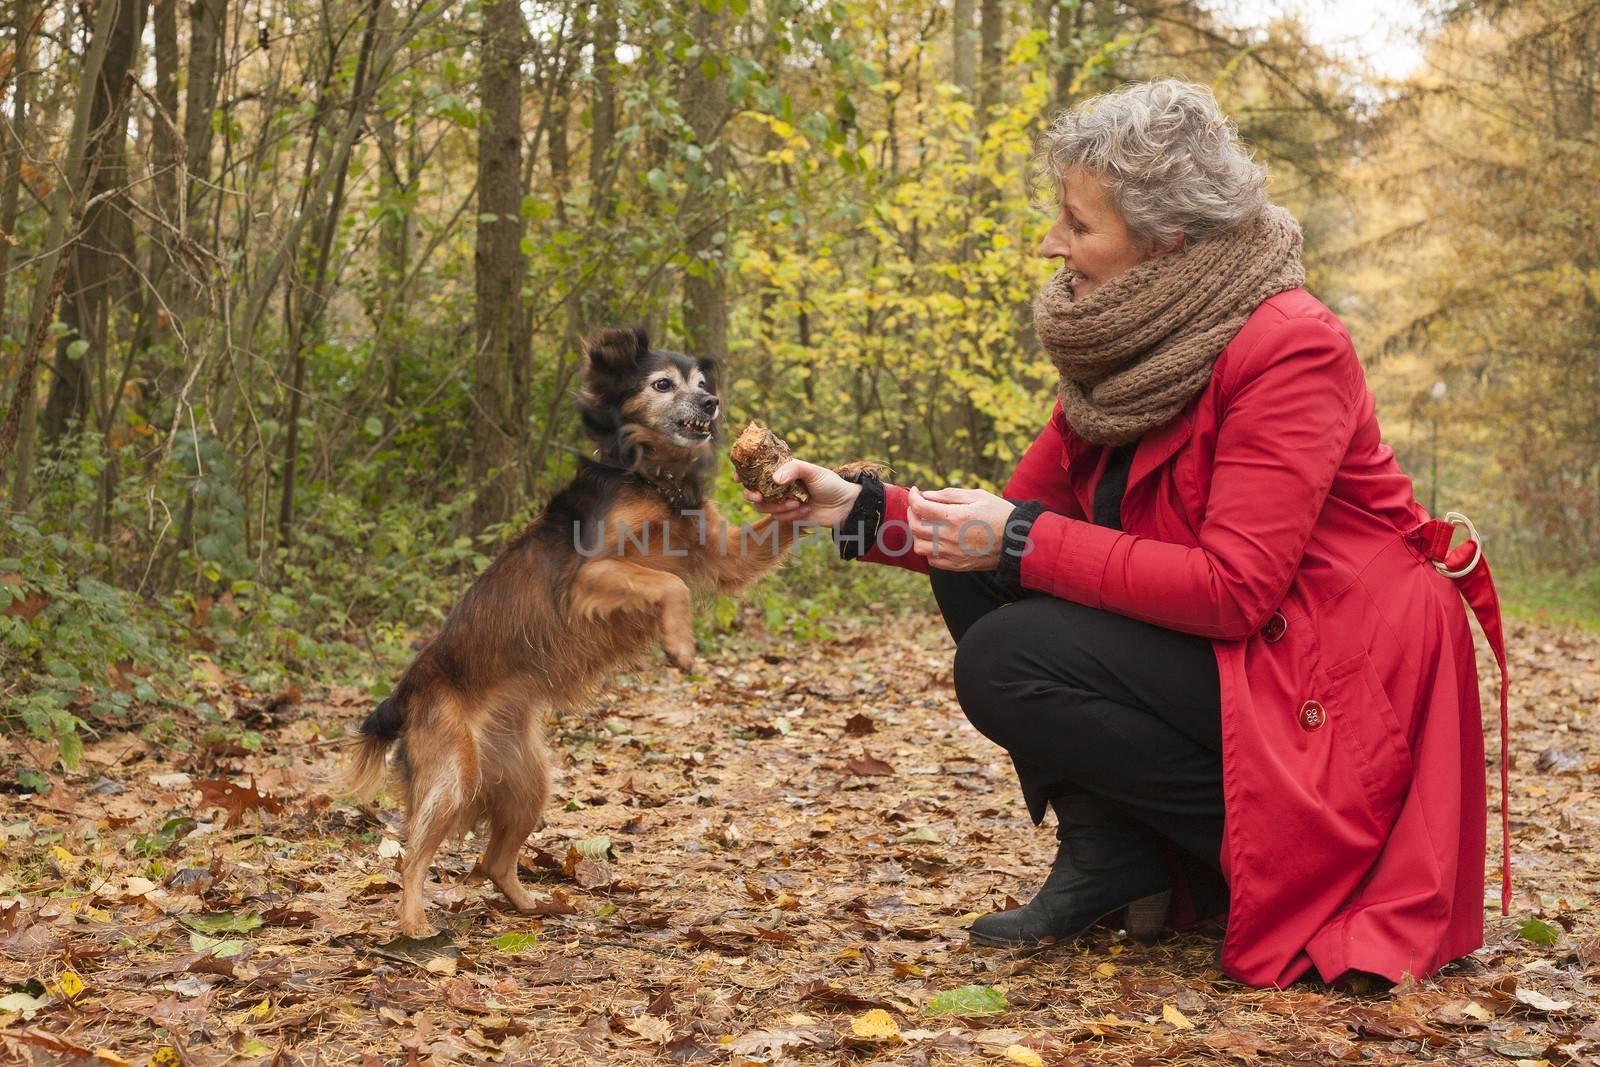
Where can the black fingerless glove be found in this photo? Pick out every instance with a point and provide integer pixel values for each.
(1009, 571)
(858, 531)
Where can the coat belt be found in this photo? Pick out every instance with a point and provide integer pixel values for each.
(1466, 567)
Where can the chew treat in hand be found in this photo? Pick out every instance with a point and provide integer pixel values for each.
(756, 454)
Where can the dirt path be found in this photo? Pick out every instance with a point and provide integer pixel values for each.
(792, 844)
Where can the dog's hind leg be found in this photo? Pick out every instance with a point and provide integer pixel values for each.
(516, 809)
(442, 792)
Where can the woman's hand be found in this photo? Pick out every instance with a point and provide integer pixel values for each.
(959, 529)
(832, 497)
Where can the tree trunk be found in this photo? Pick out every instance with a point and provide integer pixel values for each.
(991, 34)
(705, 108)
(1069, 22)
(504, 346)
(397, 170)
(163, 127)
(86, 305)
(963, 48)
(207, 31)
(603, 110)
(11, 158)
(26, 412)
(316, 295)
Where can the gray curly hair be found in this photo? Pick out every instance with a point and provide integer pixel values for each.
(1172, 161)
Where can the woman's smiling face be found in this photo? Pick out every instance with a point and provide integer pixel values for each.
(1090, 237)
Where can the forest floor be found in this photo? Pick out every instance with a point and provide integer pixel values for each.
(772, 860)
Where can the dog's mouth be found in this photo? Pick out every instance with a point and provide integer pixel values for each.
(693, 429)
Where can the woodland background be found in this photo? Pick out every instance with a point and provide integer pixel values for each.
(291, 291)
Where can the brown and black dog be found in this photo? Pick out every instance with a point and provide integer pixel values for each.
(611, 565)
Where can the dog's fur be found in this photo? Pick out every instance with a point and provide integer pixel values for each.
(578, 593)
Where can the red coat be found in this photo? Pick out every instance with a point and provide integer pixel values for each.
(1269, 517)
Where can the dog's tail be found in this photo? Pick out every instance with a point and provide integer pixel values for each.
(379, 730)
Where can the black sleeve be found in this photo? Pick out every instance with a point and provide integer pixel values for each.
(858, 531)
(1015, 545)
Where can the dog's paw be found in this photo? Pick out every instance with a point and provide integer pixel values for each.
(681, 655)
(418, 930)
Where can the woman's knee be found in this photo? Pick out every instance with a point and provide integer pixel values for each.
(964, 597)
(985, 662)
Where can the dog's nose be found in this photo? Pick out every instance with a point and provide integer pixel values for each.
(709, 405)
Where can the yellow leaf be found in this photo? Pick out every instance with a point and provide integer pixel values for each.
(876, 1025)
(261, 1012)
(848, 954)
(1170, 1014)
(1024, 1055)
(64, 859)
(69, 984)
(1106, 970)
(166, 1056)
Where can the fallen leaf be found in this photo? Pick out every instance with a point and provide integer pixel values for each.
(875, 1025)
(686, 1050)
(222, 922)
(1024, 1055)
(235, 799)
(867, 766)
(515, 942)
(1538, 931)
(594, 848)
(859, 725)
(1539, 1002)
(1173, 1017)
(650, 1028)
(23, 1004)
(968, 1000)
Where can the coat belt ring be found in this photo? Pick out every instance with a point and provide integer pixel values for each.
(1460, 521)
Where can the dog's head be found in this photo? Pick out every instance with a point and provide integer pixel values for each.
(645, 406)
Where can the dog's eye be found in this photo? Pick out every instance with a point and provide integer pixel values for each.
(662, 385)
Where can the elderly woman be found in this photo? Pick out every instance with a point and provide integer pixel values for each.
(1202, 619)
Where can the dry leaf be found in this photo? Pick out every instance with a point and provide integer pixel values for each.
(859, 725)
(875, 1025)
(234, 799)
(866, 766)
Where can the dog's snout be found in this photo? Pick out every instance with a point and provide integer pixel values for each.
(708, 405)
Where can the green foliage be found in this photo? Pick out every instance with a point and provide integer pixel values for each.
(1549, 596)
(74, 659)
(865, 227)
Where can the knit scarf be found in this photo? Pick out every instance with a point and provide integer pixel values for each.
(1137, 348)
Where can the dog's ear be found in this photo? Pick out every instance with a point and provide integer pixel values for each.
(616, 351)
(711, 367)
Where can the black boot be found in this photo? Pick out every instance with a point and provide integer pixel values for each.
(1102, 865)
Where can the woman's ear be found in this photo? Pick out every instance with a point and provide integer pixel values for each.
(1169, 246)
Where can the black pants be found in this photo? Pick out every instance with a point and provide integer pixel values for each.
(1093, 702)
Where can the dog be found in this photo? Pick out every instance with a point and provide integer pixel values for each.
(613, 564)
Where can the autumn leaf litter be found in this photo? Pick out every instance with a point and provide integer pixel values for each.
(770, 861)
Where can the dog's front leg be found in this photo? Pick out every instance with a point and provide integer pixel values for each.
(735, 557)
(604, 587)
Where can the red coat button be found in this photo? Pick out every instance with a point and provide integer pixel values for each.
(1312, 716)
(1275, 627)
